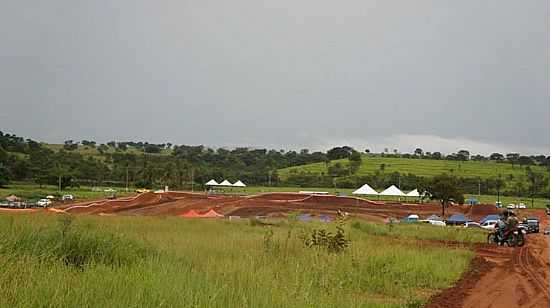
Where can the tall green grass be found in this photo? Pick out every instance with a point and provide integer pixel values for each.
(419, 231)
(196, 263)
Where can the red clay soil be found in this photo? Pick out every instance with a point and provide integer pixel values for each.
(509, 277)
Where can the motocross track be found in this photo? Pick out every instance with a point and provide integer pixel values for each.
(270, 205)
(505, 277)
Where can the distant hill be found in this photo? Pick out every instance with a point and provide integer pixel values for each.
(421, 167)
(94, 151)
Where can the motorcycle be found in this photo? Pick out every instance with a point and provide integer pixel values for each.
(514, 238)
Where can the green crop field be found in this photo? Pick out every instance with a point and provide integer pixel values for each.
(28, 191)
(56, 261)
(422, 167)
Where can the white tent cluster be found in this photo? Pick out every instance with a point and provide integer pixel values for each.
(391, 191)
(225, 183)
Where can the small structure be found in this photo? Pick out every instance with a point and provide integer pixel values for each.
(211, 214)
(366, 190)
(392, 191)
(490, 217)
(472, 201)
(190, 214)
(307, 192)
(458, 219)
(414, 194)
(239, 183)
(13, 198)
(212, 183)
(226, 183)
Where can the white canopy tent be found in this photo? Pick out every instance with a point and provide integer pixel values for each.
(414, 194)
(239, 183)
(226, 183)
(365, 190)
(212, 183)
(392, 191)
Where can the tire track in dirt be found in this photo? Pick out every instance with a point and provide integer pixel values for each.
(523, 257)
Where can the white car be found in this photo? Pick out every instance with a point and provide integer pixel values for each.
(67, 198)
(489, 224)
(44, 202)
(437, 223)
(521, 206)
(511, 206)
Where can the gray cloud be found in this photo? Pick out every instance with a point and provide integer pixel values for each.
(279, 73)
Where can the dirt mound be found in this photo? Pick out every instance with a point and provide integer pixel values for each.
(481, 210)
(280, 197)
(339, 201)
(189, 195)
(453, 297)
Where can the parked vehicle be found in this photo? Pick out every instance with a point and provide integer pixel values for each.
(498, 204)
(489, 224)
(531, 225)
(511, 206)
(44, 202)
(521, 206)
(67, 198)
(548, 209)
(472, 224)
(547, 231)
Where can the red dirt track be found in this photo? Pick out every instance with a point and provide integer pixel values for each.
(505, 277)
(274, 205)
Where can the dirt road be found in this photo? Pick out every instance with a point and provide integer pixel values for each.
(506, 277)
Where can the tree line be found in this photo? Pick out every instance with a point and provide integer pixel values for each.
(182, 166)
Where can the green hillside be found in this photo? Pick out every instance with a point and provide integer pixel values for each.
(422, 167)
(93, 151)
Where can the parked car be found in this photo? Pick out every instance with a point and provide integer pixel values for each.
(498, 204)
(511, 206)
(44, 202)
(67, 198)
(521, 206)
(546, 231)
(489, 224)
(472, 224)
(531, 225)
(548, 209)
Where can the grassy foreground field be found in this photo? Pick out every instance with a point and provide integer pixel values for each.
(53, 261)
(422, 167)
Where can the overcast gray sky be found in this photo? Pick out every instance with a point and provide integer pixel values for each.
(442, 75)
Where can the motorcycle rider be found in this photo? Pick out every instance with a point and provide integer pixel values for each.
(501, 226)
(511, 223)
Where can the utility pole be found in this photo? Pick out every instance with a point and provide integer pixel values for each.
(479, 187)
(126, 178)
(192, 179)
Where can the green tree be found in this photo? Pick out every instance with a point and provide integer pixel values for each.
(536, 182)
(444, 188)
(4, 176)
